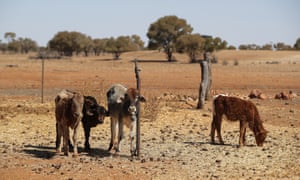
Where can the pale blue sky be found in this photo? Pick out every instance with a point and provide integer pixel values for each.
(236, 21)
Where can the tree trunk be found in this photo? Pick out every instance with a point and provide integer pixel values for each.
(169, 54)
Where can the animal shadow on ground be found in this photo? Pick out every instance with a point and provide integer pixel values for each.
(48, 152)
(98, 152)
(43, 152)
(203, 143)
(153, 61)
(102, 153)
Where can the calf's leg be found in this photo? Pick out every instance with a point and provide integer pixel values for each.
(87, 136)
(75, 141)
(59, 134)
(120, 135)
(66, 139)
(218, 124)
(213, 129)
(113, 128)
(243, 126)
(132, 134)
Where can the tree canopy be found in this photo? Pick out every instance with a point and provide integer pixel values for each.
(122, 44)
(192, 44)
(164, 33)
(297, 44)
(66, 43)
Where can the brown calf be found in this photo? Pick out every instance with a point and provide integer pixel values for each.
(68, 113)
(122, 108)
(237, 109)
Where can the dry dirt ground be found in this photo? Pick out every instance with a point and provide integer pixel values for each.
(175, 142)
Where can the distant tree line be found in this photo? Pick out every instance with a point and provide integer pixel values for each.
(278, 46)
(67, 43)
(20, 45)
(169, 34)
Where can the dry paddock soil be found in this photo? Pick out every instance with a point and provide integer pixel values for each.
(175, 142)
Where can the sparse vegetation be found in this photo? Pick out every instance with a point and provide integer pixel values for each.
(174, 135)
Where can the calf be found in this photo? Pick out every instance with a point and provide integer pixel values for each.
(237, 109)
(122, 108)
(68, 113)
(93, 114)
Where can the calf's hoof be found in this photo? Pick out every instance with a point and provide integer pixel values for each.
(110, 147)
(75, 155)
(87, 148)
(133, 152)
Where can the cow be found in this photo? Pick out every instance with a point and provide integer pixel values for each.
(122, 108)
(237, 109)
(68, 113)
(93, 114)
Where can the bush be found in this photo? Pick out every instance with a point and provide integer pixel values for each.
(236, 63)
(225, 63)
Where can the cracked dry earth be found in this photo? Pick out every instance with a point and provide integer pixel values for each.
(175, 144)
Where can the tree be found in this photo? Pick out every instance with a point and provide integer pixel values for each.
(214, 44)
(164, 33)
(87, 44)
(297, 44)
(10, 36)
(243, 47)
(99, 46)
(192, 44)
(3, 47)
(14, 46)
(231, 47)
(27, 45)
(137, 41)
(266, 47)
(68, 42)
(122, 44)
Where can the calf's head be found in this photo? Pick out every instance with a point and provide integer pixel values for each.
(260, 137)
(131, 98)
(77, 105)
(93, 110)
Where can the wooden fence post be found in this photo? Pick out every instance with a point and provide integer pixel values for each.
(206, 81)
(138, 86)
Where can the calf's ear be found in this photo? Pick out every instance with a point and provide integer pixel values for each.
(142, 99)
(88, 112)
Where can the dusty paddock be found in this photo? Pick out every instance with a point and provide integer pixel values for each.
(175, 136)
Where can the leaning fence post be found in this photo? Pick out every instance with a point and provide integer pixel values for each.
(206, 81)
(138, 86)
